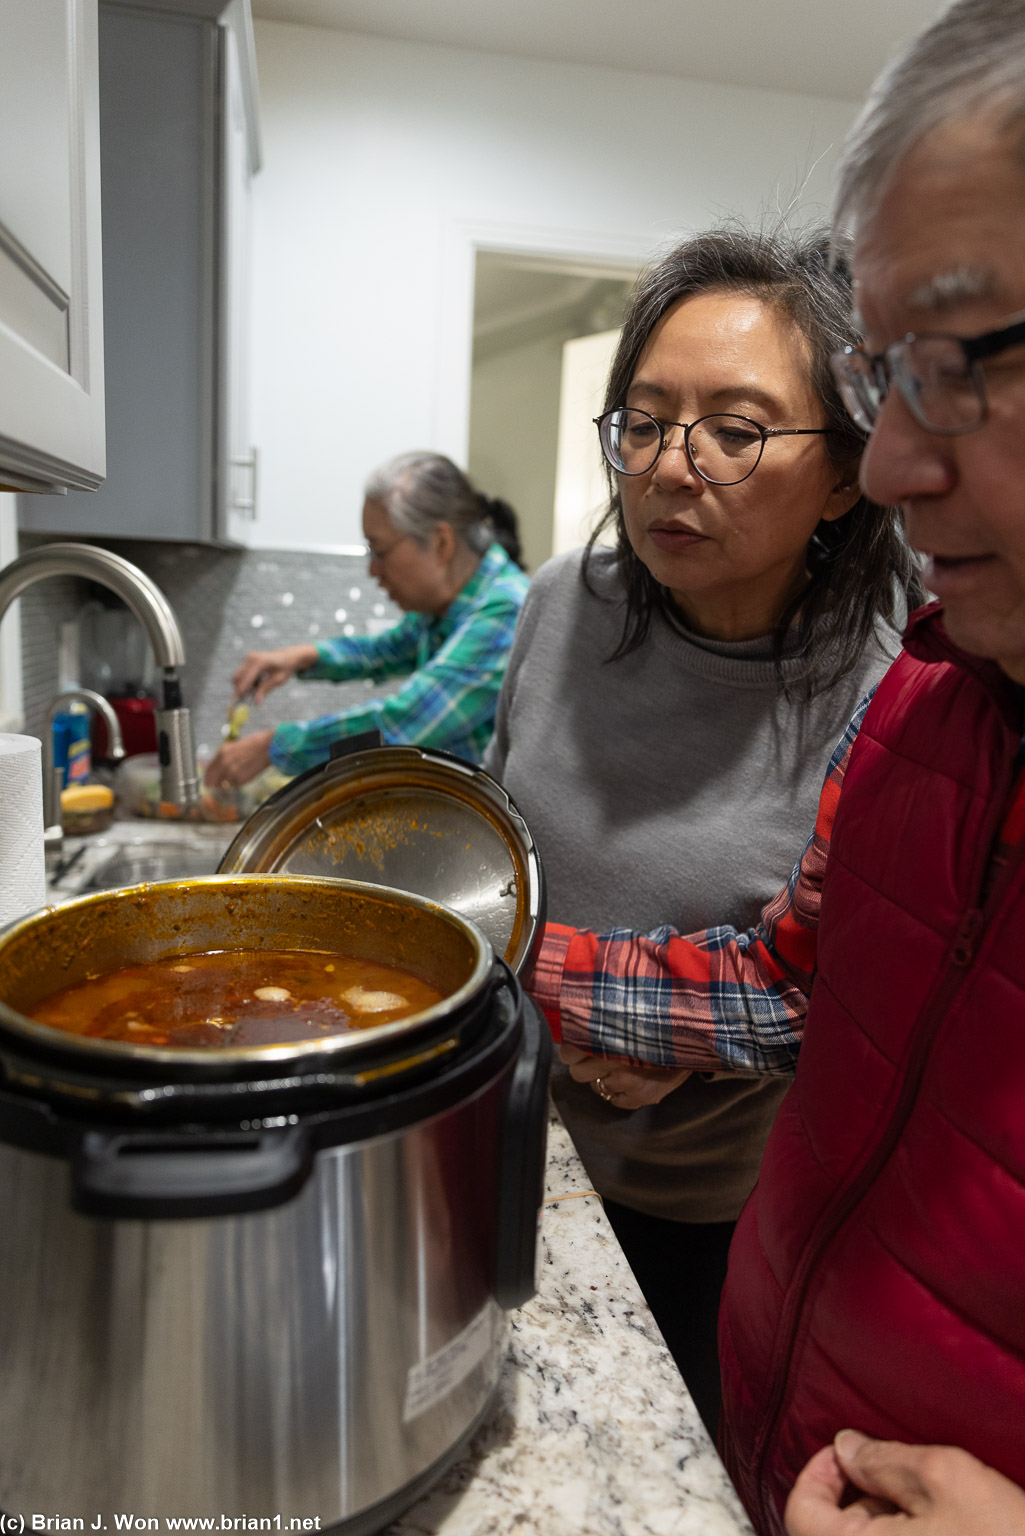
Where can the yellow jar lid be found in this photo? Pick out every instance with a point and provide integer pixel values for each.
(87, 797)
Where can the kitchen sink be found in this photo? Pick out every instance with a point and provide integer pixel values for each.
(162, 860)
(132, 852)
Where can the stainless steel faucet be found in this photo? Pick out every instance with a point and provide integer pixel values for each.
(179, 777)
(53, 821)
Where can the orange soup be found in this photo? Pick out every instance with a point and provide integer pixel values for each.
(236, 997)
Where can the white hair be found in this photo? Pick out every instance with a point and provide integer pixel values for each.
(419, 490)
(971, 61)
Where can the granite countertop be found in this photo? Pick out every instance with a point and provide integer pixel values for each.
(593, 1432)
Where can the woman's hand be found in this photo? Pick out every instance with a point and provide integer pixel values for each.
(264, 670)
(621, 1085)
(239, 761)
(920, 1490)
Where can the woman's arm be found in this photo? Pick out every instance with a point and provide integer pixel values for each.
(445, 702)
(345, 657)
(714, 1001)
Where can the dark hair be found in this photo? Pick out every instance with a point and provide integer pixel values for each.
(504, 525)
(860, 566)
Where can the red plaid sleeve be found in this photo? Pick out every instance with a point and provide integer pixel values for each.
(712, 1001)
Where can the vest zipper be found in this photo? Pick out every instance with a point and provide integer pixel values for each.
(966, 939)
(960, 956)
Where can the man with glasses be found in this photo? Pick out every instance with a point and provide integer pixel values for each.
(872, 1335)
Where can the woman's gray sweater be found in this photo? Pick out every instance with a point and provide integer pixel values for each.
(675, 785)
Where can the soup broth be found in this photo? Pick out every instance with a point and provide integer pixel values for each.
(236, 998)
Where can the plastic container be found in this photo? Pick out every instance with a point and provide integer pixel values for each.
(138, 792)
(136, 714)
(72, 750)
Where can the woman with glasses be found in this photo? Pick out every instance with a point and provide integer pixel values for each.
(438, 548)
(671, 704)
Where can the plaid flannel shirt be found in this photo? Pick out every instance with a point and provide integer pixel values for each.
(456, 664)
(717, 1000)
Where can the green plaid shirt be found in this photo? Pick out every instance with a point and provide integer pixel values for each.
(455, 663)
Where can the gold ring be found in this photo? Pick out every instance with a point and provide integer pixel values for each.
(603, 1092)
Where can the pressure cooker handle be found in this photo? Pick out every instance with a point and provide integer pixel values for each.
(522, 1172)
(147, 1176)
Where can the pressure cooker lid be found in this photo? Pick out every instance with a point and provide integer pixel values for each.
(411, 819)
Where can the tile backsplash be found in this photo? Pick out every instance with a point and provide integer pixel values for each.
(227, 602)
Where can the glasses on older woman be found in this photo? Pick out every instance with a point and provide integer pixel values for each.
(722, 449)
(940, 377)
(377, 556)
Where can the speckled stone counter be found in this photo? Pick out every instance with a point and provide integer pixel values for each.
(593, 1432)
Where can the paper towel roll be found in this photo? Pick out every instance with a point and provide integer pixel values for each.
(22, 861)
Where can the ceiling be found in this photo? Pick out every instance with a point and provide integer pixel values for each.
(830, 48)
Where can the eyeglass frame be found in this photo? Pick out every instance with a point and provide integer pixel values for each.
(688, 426)
(380, 556)
(974, 350)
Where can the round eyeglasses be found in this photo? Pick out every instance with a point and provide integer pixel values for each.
(939, 377)
(722, 449)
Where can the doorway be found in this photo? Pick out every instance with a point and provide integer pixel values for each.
(526, 309)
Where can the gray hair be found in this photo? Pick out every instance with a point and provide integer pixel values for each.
(972, 59)
(419, 490)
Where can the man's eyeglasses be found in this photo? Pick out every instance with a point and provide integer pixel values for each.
(940, 377)
(722, 449)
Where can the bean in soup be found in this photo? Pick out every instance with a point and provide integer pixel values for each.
(236, 998)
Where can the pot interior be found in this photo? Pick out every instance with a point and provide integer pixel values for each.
(65, 945)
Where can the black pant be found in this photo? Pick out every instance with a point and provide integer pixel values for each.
(680, 1266)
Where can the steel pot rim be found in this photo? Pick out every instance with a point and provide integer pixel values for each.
(219, 1061)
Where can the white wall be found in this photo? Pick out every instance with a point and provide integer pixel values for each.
(386, 165)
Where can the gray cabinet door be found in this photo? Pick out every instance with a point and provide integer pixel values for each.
(168, 228)
(51, 340)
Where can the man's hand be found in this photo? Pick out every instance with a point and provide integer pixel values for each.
(264, 670)
(621, 1085)
(239, 761)
(913, 1490)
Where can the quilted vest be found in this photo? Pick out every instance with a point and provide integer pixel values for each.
(877, 1277)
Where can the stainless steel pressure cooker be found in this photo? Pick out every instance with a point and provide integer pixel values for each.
(267, 1282)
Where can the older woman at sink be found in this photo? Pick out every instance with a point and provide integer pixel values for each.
(435, 546)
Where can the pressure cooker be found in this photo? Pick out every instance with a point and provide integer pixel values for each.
(273, 1282)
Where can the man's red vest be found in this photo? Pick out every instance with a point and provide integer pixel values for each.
(877, 1276)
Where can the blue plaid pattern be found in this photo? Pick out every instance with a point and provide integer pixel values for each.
(455, 664)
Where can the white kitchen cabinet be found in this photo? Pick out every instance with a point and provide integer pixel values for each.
(51, 338)
(179, 144)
